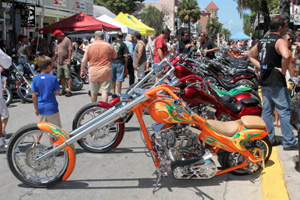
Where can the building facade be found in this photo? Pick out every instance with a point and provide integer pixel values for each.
(169, 7)
(31, 15)
(211, 11)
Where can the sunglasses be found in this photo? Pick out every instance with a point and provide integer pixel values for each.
(290, 39)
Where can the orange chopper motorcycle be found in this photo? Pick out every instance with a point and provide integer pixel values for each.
(180, 143)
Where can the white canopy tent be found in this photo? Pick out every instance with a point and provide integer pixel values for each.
(114, 22)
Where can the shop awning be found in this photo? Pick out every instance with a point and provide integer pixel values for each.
(132, 22)
(124, 28)
(78, 22)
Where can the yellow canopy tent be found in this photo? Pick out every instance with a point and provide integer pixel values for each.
(132, 22)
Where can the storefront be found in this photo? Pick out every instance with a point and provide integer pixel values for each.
(32, 15)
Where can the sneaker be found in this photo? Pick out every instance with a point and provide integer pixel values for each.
(68, 94)
(4, 134)
(276, 142)
(295, 147)
(62, 92)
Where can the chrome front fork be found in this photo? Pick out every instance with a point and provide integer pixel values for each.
(104, 119)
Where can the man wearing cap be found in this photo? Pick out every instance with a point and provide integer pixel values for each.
(63, 53)
(99, 54)
(119, 63)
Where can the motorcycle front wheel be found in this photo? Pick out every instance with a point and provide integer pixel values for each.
(24, 92)
(104, 138)
(25, 146)
(77, 83)
(262, 148)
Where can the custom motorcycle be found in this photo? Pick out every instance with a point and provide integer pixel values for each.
(237, 105)
(181, 143)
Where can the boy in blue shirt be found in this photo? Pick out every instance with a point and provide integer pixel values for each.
(44, 88)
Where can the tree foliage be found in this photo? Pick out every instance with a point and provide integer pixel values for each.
(226, 33)
(213, 27)
(247, 25)
(117, 6)
(264, 7)
(152, 17)
(188, 11)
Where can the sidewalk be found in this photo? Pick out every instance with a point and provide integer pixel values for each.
(281, 177)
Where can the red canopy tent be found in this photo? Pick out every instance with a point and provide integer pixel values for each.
(78, 22)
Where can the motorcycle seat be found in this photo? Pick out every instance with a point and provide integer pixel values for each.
(225, 99)
(234, 107)
(250, 102)
(250, 121)
(226, 128)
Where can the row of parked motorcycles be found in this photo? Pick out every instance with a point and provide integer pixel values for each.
(19, 77)
(205, 121)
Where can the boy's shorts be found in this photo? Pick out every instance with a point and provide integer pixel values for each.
(52, 119)
(102, 86)
(3, 109)
(117, 70)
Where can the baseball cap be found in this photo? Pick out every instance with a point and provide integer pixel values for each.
(58, 32)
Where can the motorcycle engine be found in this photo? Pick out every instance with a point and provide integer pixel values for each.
(181, 153)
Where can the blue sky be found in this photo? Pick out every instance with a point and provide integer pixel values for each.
(228, 14)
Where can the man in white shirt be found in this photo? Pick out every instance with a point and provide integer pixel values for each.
(5, 61)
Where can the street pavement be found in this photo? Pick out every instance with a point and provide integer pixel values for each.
(126, 172)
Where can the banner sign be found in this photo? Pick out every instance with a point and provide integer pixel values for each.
(61, 3)
(80, 5)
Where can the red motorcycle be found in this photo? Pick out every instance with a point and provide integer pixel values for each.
(197, 93)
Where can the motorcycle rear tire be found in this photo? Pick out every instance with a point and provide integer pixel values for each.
(16, 167)
(242, 172)
(98, 149)
(24, 92)
(77, 83)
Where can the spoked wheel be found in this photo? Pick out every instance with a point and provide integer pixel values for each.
(24, 92)
(26, 145)
(104, 138)
(7, 95)
(77, 83)
(259, 148)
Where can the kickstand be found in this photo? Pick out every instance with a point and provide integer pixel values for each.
(158, 179)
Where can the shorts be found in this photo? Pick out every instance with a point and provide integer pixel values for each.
(117, 70)
(3, 109)
(289, 84)
(102, 86)
(52, 119)
(140, 72)
(63, 71)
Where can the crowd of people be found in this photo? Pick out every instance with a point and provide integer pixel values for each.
(111, 61)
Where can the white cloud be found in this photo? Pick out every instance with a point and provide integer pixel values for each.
(229, 24)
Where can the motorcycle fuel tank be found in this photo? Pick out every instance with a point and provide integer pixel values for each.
(181, 71)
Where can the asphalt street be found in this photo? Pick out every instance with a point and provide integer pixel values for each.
(124, 173)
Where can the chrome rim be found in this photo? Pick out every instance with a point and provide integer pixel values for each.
(259, 148)
(25, 90)
(103, 137)
(27, 148)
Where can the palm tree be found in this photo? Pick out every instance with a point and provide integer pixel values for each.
(263, 6)
(213, 27)
(188, 11)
